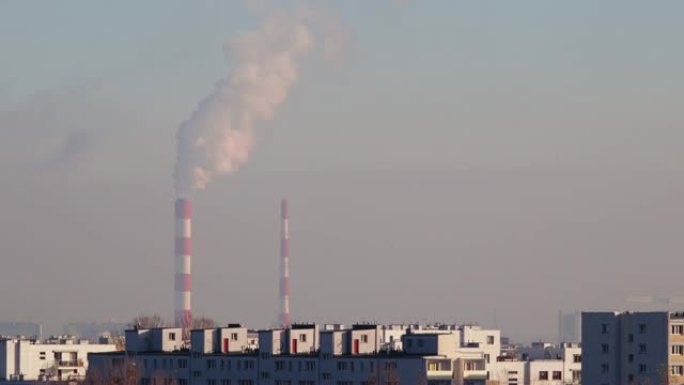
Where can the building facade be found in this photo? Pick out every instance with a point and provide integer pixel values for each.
(306, 354)
(633, 348)
(55, 359)
(540, 364)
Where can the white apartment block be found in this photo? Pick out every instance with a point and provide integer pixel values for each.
(540, 364)
(306, 355)
(633, 348)
(55, 359)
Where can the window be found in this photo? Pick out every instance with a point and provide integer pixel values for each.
(196, 373)
(605, 368)
(211, 381)
(605, 348)
(678, 330)
(642, 348)
(420, 343)
(364, 338)
(172, 336)
(678, 349)
(543, 375)
(557, 375)
(642, 368)
(233, 336)
(642, 328)
(486, 357)
(576, 358)
(604, 328)
(630, 358)
(302, 337)
(279, 365)
(490, 340)
(630, 338)
(677, 370)
(183, 381)
(576, 375)
(182, 364)
(224, 381)
(630, 378)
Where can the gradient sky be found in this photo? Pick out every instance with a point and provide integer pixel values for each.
(489, 161)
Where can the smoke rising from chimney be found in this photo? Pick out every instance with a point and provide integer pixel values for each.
(219, 136)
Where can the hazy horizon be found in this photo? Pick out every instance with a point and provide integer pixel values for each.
(458, 162)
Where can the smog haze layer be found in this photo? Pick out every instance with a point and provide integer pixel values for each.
(488, 161)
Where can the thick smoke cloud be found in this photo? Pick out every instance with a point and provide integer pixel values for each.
(219, 136)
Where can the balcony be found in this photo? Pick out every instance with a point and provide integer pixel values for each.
(70, 364)
(439, 375)
(475, 374)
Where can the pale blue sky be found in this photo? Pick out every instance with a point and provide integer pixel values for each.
(544, 132)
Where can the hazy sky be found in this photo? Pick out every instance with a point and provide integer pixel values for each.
(491, 161)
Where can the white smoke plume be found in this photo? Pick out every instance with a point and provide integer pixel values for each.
(218, 137)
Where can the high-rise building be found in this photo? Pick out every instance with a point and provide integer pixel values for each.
(570, 327)
(632, 348)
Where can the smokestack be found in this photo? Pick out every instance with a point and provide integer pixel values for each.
(284, 267)
(183, 261)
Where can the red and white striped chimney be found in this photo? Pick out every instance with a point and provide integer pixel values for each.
(284, 267)
(183, 262)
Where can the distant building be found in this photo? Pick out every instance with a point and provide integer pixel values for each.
(631, 348)
(94, 330)
(21, 329)
(570, 327)
(55, 359)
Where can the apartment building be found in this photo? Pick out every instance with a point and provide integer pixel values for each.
(633, 348)
(540, 364)
(54, 359)
(304, 355)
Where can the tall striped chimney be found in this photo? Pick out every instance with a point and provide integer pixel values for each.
(183, 261)
(284, 267)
